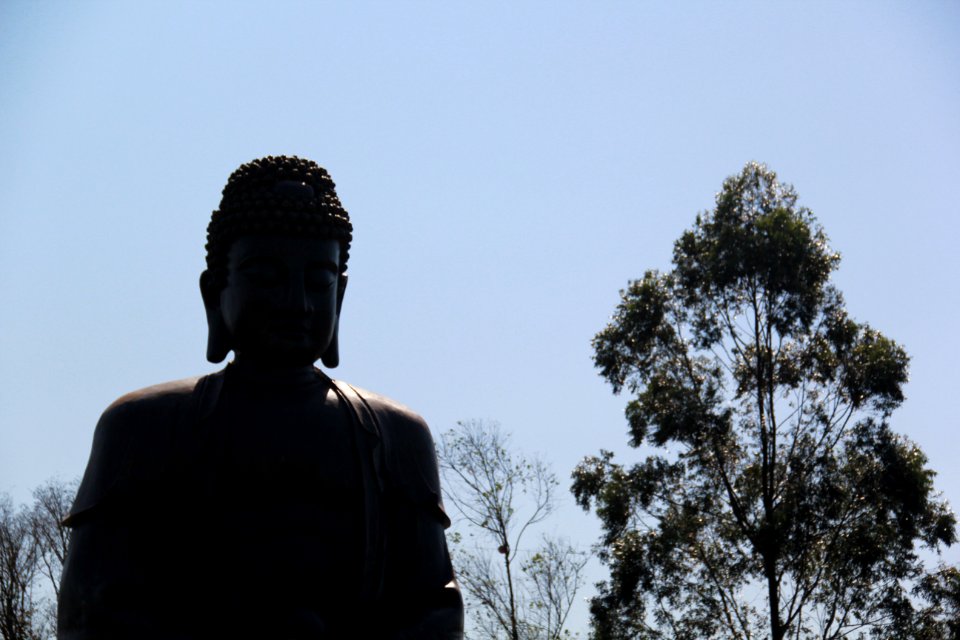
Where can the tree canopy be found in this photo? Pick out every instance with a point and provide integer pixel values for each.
(777, 501)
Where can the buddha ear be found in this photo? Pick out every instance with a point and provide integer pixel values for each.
(331, 357)
(218, 336)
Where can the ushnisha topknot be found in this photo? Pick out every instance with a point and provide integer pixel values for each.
(277, 195)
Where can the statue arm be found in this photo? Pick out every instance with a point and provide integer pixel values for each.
(110, 587)
(103, 592)
(440, 604)
(421, 586)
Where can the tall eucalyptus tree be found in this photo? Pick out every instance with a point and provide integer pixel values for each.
(777, 502)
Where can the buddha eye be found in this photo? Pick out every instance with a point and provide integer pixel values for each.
(320, 278)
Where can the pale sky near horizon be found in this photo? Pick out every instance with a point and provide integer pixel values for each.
(508, 166)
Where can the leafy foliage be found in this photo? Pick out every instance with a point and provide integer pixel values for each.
(499, 494)
(777, 474)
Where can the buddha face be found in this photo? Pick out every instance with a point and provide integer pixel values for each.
(282, 298)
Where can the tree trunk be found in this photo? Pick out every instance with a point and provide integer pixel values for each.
(514, 632)
(777, 630)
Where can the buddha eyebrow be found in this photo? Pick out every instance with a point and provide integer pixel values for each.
(329, 265)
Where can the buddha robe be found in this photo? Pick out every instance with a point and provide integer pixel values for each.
(237, 506)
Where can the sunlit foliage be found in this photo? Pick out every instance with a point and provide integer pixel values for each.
(778, 503)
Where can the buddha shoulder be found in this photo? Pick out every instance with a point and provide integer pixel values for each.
(146, 415)
(151, 402)
(399, 422)
(133, 441)
(409, 452)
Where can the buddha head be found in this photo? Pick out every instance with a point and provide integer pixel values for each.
(277, 250)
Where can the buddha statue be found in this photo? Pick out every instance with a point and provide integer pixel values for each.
(265, 500)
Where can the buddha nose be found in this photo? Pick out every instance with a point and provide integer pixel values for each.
(297, 300)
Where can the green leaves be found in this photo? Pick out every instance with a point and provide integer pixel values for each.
(756, 247)
(778, 472)
(638, 334)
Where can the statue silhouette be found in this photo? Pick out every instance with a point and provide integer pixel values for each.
(266, 500)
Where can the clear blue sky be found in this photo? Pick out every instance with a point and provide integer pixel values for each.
(508, 166)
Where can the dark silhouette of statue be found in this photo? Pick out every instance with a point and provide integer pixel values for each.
(265, 500)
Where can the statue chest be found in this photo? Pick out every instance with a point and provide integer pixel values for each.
(284, 492)
(287, 448)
